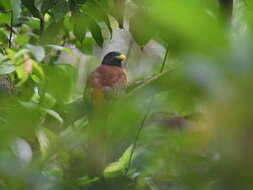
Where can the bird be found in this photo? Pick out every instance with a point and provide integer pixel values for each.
(104, 85)
(108, 80)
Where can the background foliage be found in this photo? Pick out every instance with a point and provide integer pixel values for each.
(184, 124)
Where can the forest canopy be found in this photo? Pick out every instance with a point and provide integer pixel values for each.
(182, 121)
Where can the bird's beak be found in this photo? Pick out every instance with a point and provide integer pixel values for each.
(122, 57)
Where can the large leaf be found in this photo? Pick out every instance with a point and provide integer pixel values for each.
(80, 26)
(59, 10)
(83, 21)
(6, 68)
(141, 28)
(16, 8)
(30, 5)
(117, 10)
(95, 31)
(95, 10)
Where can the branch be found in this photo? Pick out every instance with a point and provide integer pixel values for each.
(147, 81)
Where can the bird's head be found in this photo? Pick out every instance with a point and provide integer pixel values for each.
(114, 59)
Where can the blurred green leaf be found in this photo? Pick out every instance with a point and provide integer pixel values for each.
(60, 48)
(141, 29)
(54, 114)
(6, 68)
(30, 5)
(118, 168)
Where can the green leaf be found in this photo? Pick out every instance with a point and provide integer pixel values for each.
(49, 101)
(87, 45)
(5, 18)
(95, 31)
(3, 36)
(80, 25)
(117, 10)
(61, 81)
(16, 8)
(38, 52)
(118, 168)
(96, 11)
(60, 48)
(53, 33)
(140, 28)
(30, 5)
(54, 114)
(46, 5)
(59, 10)
(6, 68)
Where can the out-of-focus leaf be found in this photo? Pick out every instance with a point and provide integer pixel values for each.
(61, 81)
(95, 10)
(141, 28)
(86, 180)
(118, 168)
(117, 10)
(80, 25)
(59, 10)
(81, 22)
(54, 114)
(37, 51)
(46, 5)
(60, 48)
(95, 31)
(3, 36)
(87, 45)
(53, 33)
(21, 52)
(74, 5)
(6, 68)
(16, 8)
(175, 21)
(49, 101)
(38, 71)
(34, 23)
(5, 18)
(22, 40)
(30, 5)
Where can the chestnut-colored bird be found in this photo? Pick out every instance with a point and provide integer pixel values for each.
(108, 80)
(105, 83)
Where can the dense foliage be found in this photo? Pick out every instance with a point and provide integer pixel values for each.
(187, 125)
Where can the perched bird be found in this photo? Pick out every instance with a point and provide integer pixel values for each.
(108, 80)
(104, 84)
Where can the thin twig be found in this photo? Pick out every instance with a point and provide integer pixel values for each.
(165, 59)
(11, 31)
(138, 134)
(145, 116)
(148, 81)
